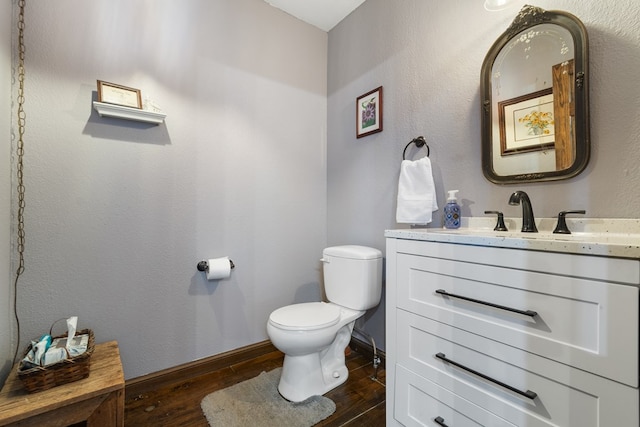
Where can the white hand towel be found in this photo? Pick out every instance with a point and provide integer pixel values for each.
(416, 192)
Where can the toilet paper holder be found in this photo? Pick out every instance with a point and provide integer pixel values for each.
(204, 265)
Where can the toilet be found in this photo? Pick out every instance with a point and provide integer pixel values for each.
(313, 336)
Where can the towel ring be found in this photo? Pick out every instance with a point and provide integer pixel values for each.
(419, 141)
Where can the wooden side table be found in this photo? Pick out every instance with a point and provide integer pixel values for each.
(97, 399)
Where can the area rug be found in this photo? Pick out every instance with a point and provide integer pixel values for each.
(257, 402)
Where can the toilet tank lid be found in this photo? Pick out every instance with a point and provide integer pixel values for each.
(353, 252)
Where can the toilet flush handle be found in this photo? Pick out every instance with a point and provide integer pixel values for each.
(324, 260)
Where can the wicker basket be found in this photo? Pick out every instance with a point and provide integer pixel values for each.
(65, 371)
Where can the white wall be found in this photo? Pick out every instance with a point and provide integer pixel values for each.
(119, 213)
(7, 343)
(427, 54)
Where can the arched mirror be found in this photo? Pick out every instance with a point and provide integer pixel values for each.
(535, 103)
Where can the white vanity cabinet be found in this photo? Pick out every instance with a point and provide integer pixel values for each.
(482, 335)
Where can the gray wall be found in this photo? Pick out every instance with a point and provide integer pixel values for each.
(6, 353)
(119, 213)
(427, 54)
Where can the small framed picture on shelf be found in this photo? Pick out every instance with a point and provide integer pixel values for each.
(112, 93)
(369, 113)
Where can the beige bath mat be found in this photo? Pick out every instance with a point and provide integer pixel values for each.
(257, 402)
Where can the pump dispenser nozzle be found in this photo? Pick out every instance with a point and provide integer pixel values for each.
(452, 195)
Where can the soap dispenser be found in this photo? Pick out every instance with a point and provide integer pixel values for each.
(452, 211)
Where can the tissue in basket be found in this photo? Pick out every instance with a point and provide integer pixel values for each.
(41, 378)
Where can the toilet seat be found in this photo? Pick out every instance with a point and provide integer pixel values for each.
(307, 316)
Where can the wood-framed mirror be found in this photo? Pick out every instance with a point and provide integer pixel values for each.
(535, 99)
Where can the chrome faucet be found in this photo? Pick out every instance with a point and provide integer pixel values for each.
(528, 221)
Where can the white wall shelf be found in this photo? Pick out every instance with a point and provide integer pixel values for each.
(128, 113)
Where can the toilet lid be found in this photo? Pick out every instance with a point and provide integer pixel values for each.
(306, 316)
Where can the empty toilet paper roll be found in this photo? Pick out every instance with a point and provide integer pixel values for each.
(219, 268)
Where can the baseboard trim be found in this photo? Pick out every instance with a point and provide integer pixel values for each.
(154, 380)
(165, 377)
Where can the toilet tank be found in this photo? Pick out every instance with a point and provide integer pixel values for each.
(353, 276)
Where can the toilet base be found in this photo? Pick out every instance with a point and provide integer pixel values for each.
(316, 373)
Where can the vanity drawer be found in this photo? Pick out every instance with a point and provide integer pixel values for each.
(439, 358)
(585, 323)
(419, 402)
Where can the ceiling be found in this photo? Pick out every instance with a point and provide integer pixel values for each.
(324, 14)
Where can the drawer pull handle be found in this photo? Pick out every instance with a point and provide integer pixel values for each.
(440, 421)
(528, 394)
(530, 313)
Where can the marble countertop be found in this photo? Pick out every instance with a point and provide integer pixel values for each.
(593, 236)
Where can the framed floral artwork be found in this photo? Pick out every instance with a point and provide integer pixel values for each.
(369, 113)
(526, 123)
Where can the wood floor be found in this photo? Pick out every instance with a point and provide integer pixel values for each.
(359, 402)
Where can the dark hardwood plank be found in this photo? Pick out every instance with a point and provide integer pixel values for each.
(359, 401)
(359, 394)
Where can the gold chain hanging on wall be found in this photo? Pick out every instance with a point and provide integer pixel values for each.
(20, 168)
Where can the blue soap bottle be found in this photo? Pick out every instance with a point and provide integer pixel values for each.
(452, 211)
